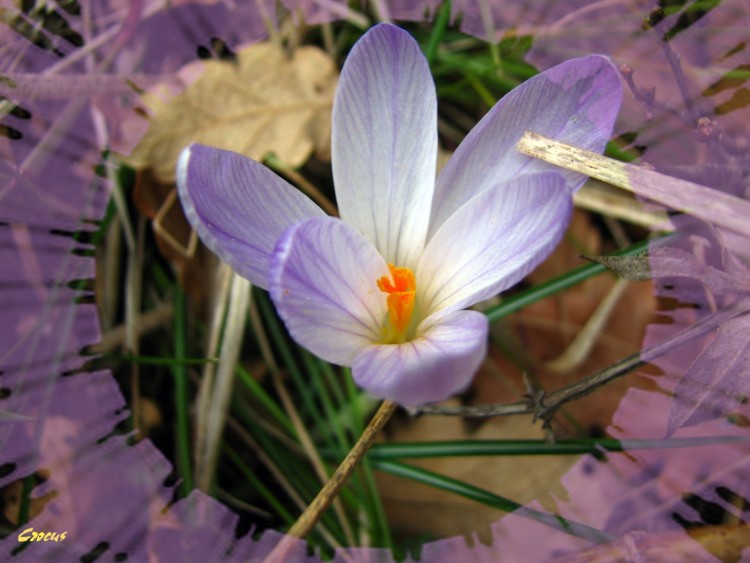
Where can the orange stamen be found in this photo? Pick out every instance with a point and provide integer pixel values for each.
(401, 292)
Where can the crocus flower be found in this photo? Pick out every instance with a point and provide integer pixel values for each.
(384, 289)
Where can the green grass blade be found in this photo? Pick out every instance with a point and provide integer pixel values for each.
(159, 361)
(330, 429)
(257, 391)
(25, 505)
(309, 407)
(569, 279)
(396, 450)
(258, 486)
(181, 395)
(438, 31)
(490, 499)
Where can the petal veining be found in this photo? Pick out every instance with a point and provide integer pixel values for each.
(440, 362)
(384, 143)
(575, 102)
(493, 241)
(324, 284)
(238, 207)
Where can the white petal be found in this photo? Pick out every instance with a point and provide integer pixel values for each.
(492, 242)
(575, 102)
(384, 144)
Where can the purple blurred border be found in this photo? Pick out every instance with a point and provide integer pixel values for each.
(74, 88)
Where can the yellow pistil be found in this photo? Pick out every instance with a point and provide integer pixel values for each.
(401, 293)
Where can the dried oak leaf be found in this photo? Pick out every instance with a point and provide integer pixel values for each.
(260, 103)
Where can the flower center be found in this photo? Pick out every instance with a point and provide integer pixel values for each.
(401, 293)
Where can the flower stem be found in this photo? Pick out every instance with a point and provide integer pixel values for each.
(318, 506)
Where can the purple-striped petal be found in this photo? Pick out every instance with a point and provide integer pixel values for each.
(432, 367)
(384, 144)
(323, 282)
(575, 102)
(238, 207)
(493, 241)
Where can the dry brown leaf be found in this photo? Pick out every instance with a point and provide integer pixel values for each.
(174, 237)
(262, 102)
(417, 510)
(542, 332)
(725, 543)
(536, 335)
(158, 201)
